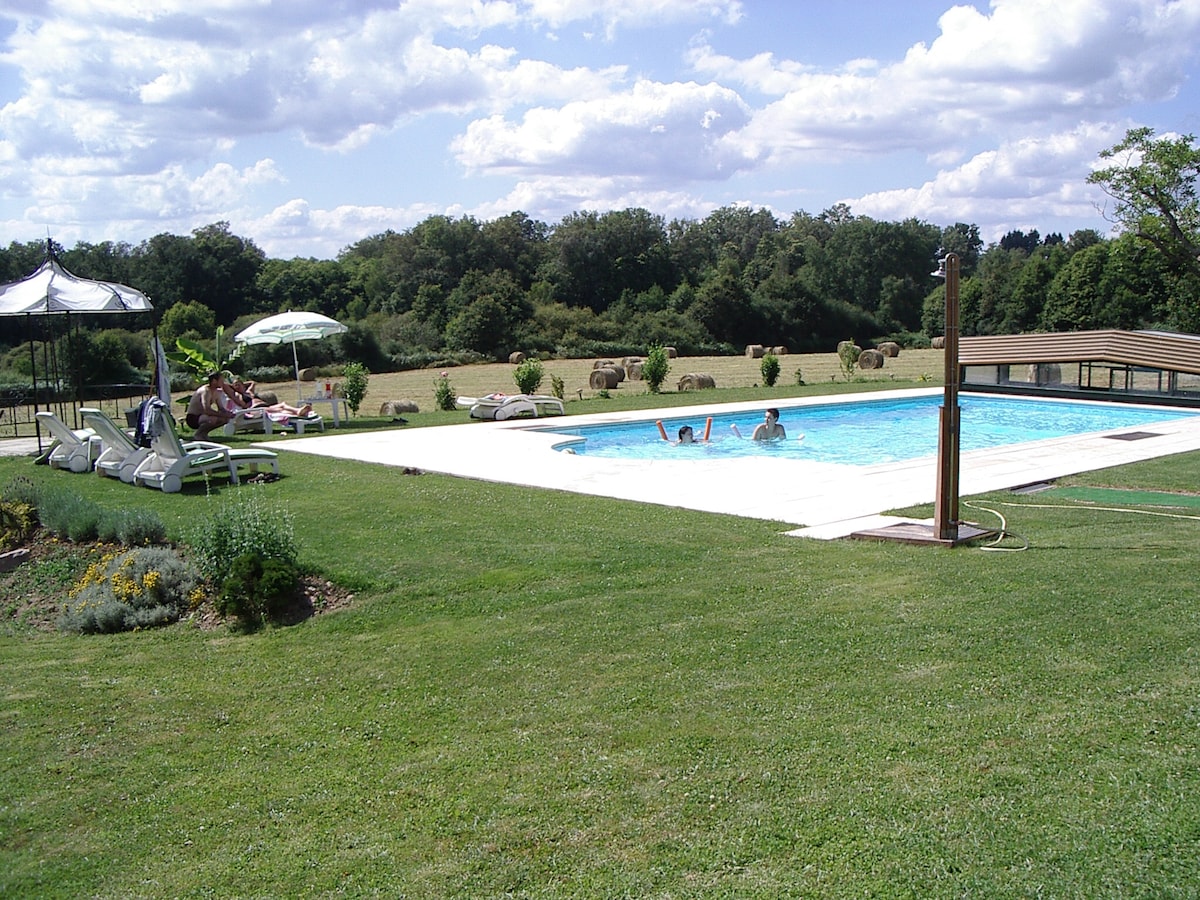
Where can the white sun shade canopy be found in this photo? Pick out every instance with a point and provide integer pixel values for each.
(52, 289)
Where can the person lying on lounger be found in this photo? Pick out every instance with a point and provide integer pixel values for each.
(301, 411)
(234, 407)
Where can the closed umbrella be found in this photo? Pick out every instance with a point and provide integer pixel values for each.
(162, 372)
(290, 327)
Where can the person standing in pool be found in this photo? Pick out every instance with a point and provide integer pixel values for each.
(770, 429)
(686, 436)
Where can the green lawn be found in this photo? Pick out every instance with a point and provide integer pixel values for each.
(539, 694)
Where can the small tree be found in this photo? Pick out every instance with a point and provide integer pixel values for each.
(655, 368)
(354, 384)
(257, 590)
(770, 369)
(848, 353)
(528, 375)
(443, 393)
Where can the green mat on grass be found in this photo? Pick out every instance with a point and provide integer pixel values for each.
(1118, 497)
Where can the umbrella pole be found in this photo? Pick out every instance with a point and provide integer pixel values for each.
(296, 361)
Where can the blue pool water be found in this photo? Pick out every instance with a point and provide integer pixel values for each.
(866, 432)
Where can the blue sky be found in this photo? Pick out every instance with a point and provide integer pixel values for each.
(310, 124)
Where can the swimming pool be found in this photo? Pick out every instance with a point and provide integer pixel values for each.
(865, 432)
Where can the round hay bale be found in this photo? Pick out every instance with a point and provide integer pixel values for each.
(634, 371)
(672, 353)
(938, 343)
(696, 381)
(268, 397)
(890, 349)
(870, 359)
(620, 370)
(755, 351)
(309, 374)
(516, 357)
(396, 407)
(602, 379)
(844, 344)
(630, 360)
(603, 364)
(780, 351)
(1043, 373)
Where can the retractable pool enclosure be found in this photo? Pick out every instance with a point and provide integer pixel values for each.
(1131, 366)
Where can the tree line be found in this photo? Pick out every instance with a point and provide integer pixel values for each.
(460, 289)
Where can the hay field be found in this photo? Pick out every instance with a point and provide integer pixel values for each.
(729, 372)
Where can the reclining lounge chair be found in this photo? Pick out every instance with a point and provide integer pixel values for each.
(71, 450)
(119, 455)
(172, 460)
(258, 419)
(508, 406)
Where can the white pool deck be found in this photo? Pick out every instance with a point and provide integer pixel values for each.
(816, 500)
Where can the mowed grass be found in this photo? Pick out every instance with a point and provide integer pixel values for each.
(539, 694)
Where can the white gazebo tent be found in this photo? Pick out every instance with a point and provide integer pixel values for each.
(53, 291)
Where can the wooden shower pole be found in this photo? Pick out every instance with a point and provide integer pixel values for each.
(945, 517)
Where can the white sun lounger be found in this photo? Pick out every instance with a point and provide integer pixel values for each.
(73, 450)
(119, 455)
(256, 419)
(173, 460)
(509, 406)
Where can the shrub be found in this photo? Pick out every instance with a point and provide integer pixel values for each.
(443, 393)
(270, 374)
(528, 376)
(770, 369)
(108, 527)
(139, 588)
(22, 490)
(66, 514)
(848, 353)
(800, 377)
(17, 520)
(257, 589)
(354, 384)
(140, 527)
(656, 367)
(557, 386)
(242, 524)
(131, 527)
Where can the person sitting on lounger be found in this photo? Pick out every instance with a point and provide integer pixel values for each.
(205, 411)
(770, 429)
(245, 393)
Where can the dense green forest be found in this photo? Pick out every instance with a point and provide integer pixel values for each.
(458, 290)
